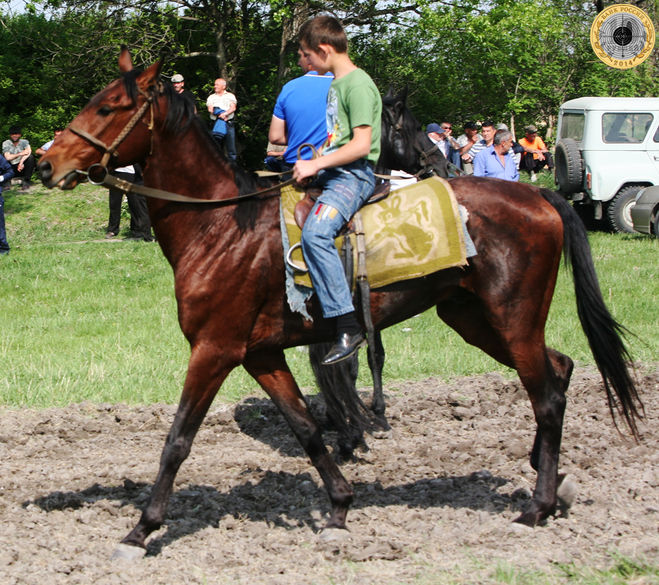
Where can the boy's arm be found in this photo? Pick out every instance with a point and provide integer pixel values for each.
(358, 147)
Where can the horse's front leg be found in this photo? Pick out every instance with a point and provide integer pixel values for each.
(204, 377)
(271, 371)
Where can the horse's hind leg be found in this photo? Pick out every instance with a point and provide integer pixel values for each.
(544, 373)
(562, 367)
(272, 373)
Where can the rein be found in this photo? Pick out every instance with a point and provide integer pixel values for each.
(99, 175)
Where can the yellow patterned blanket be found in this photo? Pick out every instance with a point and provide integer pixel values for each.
(414, 232)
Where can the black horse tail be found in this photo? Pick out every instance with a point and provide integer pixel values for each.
(346, 412)
(604, 333)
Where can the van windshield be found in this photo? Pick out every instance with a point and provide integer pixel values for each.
(624, 127)
(572, 126)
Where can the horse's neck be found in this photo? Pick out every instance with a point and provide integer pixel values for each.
(188, 164)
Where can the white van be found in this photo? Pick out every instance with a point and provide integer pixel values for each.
(607, 150)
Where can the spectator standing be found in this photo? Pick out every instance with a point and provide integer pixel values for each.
(226, 104)
(7, 172)
(178, 81)
(465, 142)
(345, 174)
(299, 116)
(536, 155)
(497, 161)
(44, 147)
(487, 131)
(140, 224)
(18, 153)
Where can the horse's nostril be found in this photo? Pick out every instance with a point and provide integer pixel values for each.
(45, 170)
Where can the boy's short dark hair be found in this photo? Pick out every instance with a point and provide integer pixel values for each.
(487, 123)
(323, 30)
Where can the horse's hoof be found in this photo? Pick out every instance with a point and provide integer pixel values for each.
(529, 519)
(383, 434)
(126, 552)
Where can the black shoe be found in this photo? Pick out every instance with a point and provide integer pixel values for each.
(345, 346)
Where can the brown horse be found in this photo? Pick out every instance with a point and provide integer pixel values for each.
(230, 287)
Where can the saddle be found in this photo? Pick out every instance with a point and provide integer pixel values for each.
(304, 206)
(408, 233)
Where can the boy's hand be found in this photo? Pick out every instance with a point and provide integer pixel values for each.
(304, 169)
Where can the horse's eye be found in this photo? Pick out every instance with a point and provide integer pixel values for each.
(104, 110)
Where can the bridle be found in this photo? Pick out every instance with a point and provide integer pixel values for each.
(110, 151)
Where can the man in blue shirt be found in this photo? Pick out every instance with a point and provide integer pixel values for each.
(497, 161)
(299, 116)
(6, 173)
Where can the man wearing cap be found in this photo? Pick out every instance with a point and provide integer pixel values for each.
(536, 155)
(18, 153)
(178, 81)
(440, 134)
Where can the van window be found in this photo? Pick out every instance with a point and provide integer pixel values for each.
(625, 127)
(572, 126)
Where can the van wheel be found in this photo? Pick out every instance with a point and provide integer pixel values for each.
(569, 168)
(619, 209)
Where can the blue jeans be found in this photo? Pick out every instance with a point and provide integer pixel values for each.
(4, 245)
(345, 190)
(228, 140)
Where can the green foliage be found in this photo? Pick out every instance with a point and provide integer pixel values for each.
(462, 59)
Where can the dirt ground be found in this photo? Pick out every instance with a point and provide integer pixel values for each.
(434, 502)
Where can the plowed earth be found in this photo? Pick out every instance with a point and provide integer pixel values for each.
(434, 501)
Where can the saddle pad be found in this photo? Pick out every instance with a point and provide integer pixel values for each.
(414, 232)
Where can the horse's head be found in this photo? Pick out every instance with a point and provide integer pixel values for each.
(405, 146)
(112, 130)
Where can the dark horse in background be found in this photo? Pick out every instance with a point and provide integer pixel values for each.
(230, 289)
(404, 147)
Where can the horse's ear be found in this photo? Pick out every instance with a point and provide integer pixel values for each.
(125, 60)
(402, 96)
(151, 76)
(390, 92)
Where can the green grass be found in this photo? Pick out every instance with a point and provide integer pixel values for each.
(86, 319)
